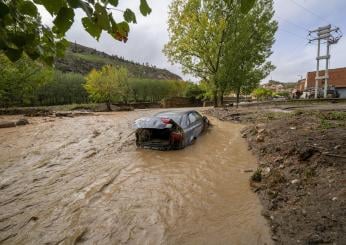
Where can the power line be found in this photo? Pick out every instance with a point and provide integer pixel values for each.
(309, 11)
(292, 33)
(292, 23)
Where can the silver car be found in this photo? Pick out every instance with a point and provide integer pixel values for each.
(170, 130)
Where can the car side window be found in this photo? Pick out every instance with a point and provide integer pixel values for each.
(198, 116)
(192, 117)
(185, 122)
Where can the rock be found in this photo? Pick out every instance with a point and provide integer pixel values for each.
(260, 138)
(259, 126)
(267, 170)
(261, 131)
(306, 153)
(295, 181)
(334, 199)
(337, 147)
(278, 159)
(22, 122)
(293, 128)
(275, 238)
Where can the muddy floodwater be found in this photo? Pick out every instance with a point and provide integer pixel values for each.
(82, 180)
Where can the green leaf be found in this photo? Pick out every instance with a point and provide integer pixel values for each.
(4, 9)
(52, 6)
(63, 20)
(144, 8)
(86, 8)
(74, 3)
(101, 17)
(246, 5)
(123, 28)
(114, 2)
(27, 8)
(61, 47)
(91, 28)
(129, 16)
(13, 54)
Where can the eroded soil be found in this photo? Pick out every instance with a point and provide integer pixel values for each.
(301, 179)
(81, 180)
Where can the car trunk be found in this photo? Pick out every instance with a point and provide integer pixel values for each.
(156, 138)
(159, 134)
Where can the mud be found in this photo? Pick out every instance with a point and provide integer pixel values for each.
(301, 179)
(82, 180)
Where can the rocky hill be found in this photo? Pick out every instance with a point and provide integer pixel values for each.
(81, 59)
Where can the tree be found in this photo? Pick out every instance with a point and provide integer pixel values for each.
(194, 91)
(197, 33)
(106, 85)
(64, 88)
(262, 93)
(253, 34)
(21, 29)
(198, 30)
(20, 80)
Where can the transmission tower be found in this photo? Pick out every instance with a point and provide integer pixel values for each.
(330, 36)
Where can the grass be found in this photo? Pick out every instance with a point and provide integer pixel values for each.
(257, 175)
(93, 58)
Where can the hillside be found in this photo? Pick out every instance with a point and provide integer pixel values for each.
(81, 59)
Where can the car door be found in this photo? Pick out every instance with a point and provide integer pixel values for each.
(194, 127)
(199, 123)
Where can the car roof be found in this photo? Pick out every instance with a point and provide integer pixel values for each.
(174, 113)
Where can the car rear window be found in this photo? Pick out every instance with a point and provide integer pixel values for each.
(175, 117)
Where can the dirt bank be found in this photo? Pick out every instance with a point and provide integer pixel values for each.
(71, 180)
(301, 178)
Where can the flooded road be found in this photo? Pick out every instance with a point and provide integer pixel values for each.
(82, 180)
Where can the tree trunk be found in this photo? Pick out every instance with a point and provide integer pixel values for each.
(221, 97)
(238, 96)
(108, 104)
(215, 98)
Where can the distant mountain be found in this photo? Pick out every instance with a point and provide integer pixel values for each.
(81, 59)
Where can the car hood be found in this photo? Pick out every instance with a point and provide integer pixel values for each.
(151, 122)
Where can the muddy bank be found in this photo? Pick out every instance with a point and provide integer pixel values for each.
(301, 178)
(71, 180)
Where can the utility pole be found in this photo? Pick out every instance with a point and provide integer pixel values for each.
(324, 33)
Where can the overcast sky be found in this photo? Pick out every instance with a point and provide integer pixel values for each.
(292, 55)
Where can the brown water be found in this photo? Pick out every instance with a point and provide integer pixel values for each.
(81, 180)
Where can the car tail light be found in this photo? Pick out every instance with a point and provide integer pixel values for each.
(176, 136)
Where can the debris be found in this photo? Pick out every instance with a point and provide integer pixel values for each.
(306, 153)
(295, 181)
(247, 170)
(7, 124)
(22, 122)
(260, 138)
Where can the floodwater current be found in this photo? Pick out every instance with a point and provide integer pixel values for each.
(82, 180)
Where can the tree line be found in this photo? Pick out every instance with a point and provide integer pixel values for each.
(31, 83)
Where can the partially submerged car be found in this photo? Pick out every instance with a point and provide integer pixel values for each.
(170, 130)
